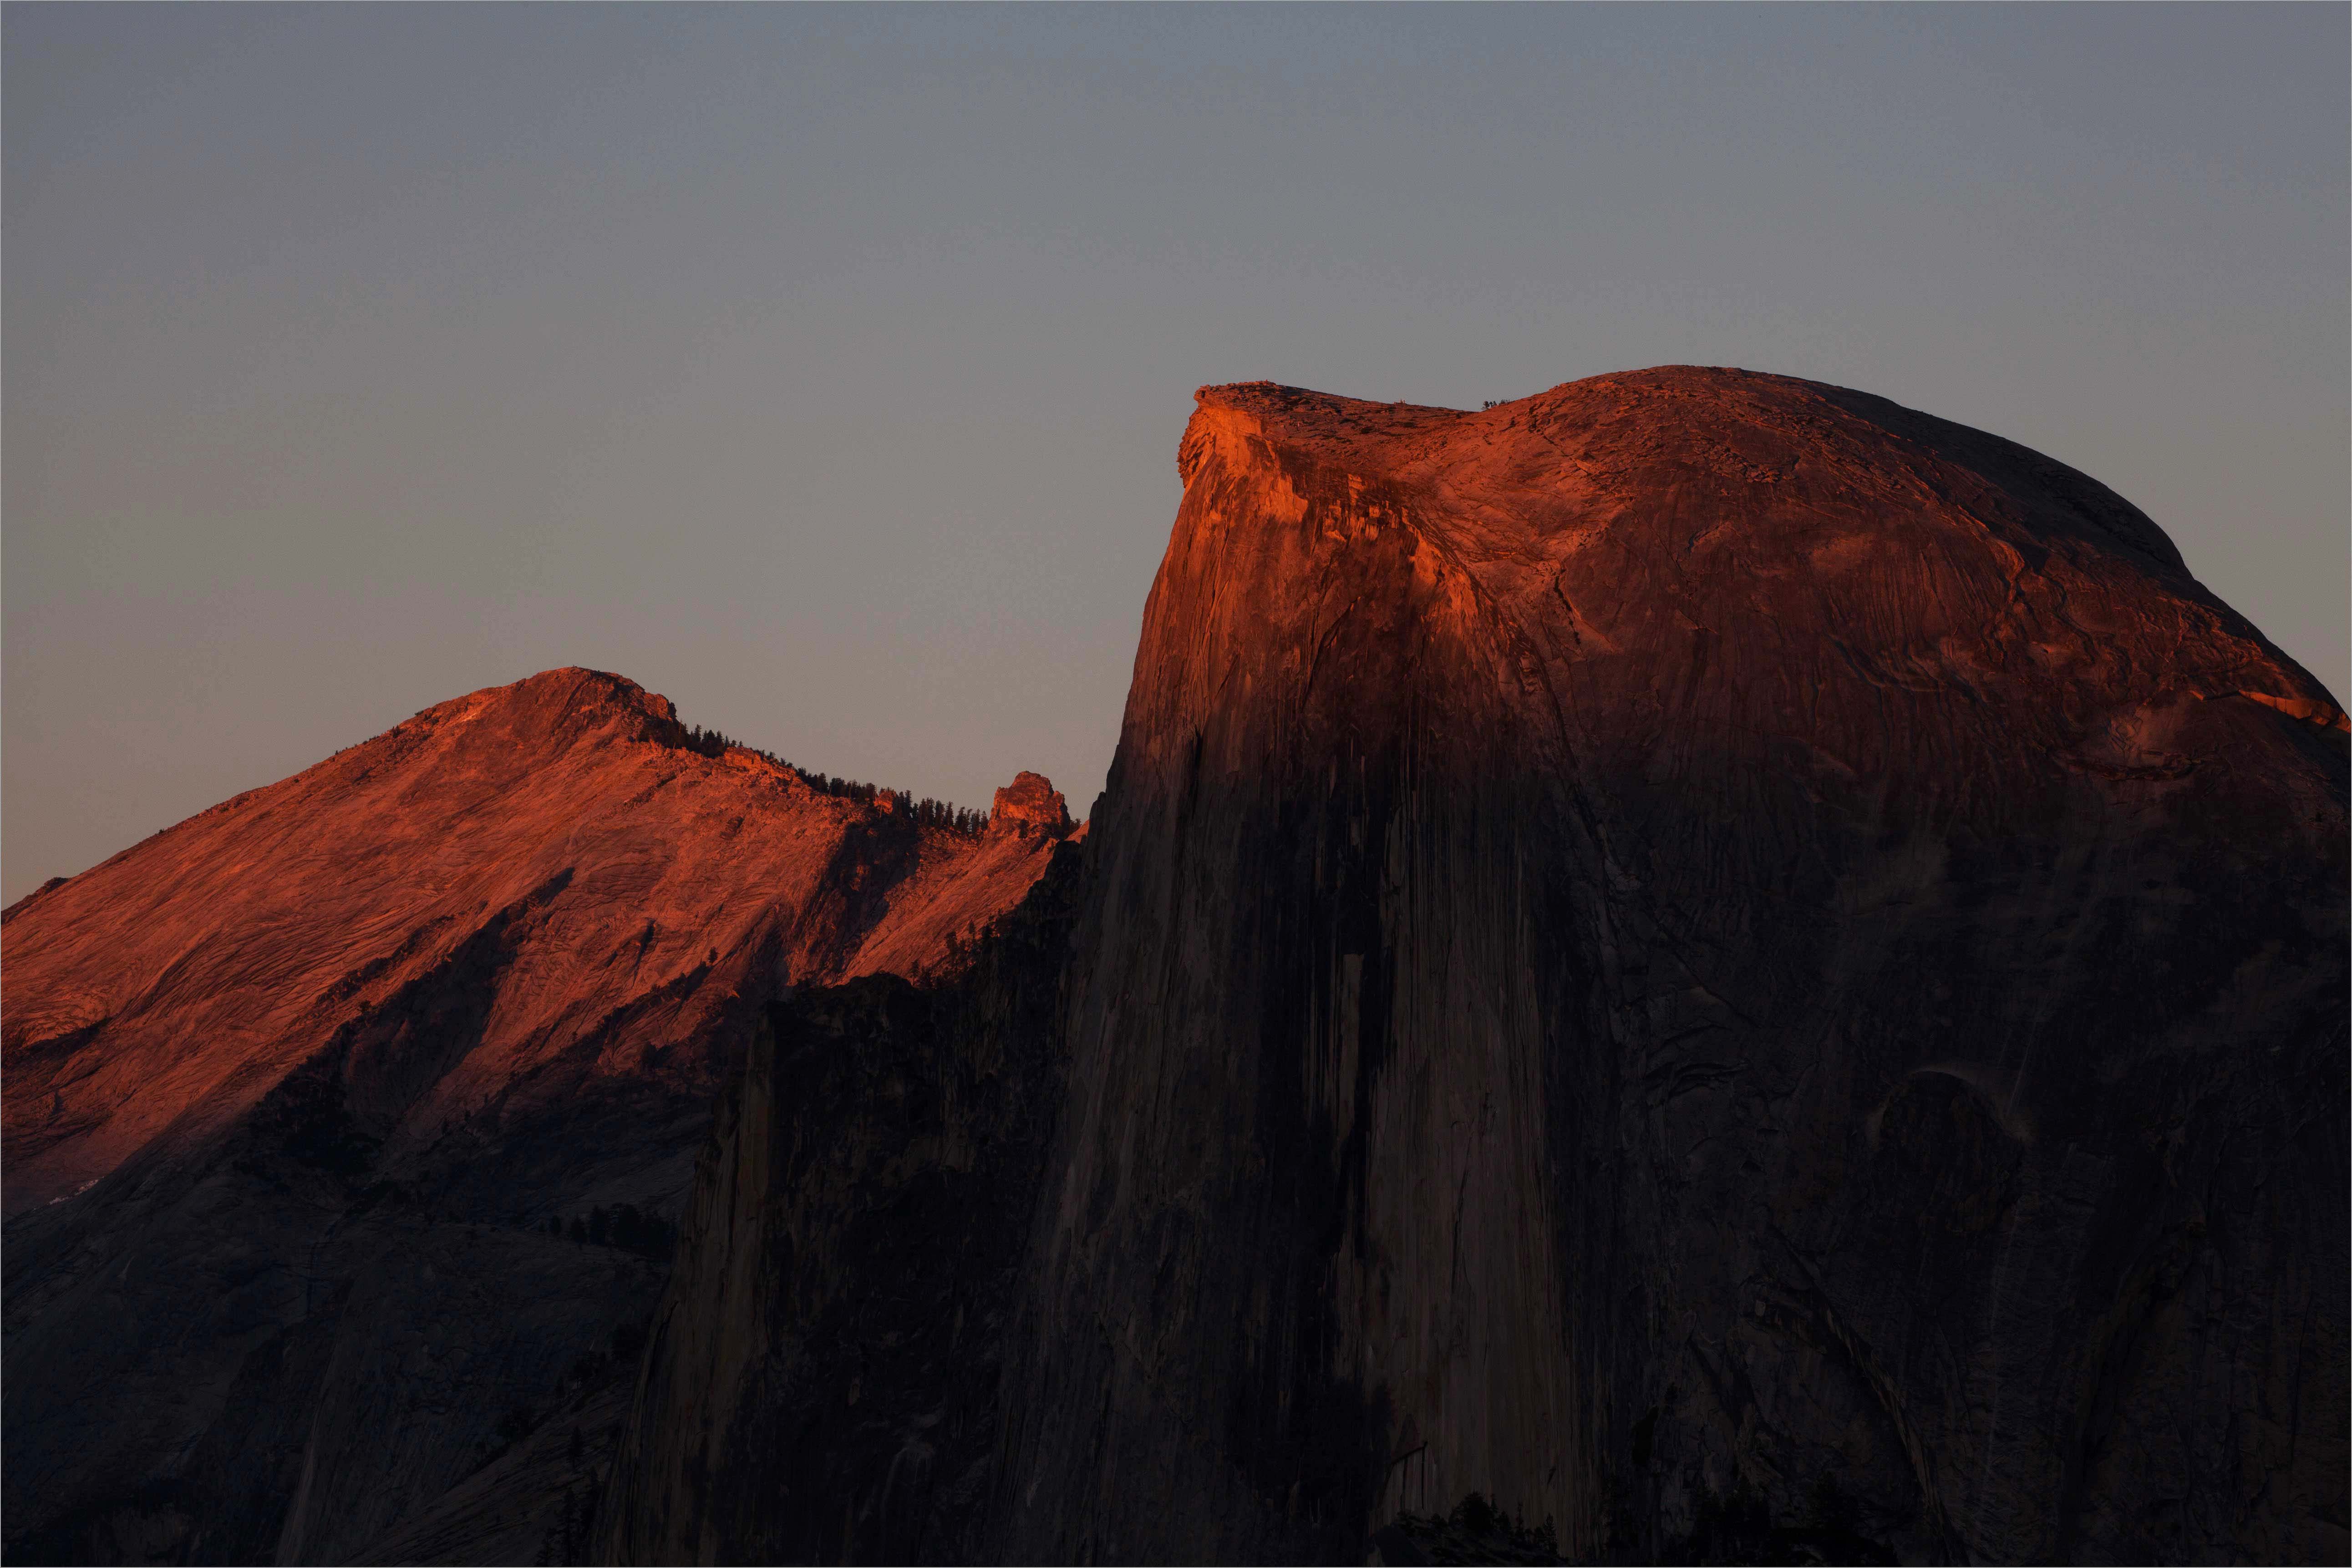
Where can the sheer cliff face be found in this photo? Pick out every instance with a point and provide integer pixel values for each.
(1695, 934)
(293, 1088)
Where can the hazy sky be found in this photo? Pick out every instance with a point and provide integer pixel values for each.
(824, 369)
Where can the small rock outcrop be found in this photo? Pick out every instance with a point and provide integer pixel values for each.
(1030, 805)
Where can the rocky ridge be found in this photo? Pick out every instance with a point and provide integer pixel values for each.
(297, 1087)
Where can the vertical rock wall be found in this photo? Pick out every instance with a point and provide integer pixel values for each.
(1303, 1261)
(1708, 959)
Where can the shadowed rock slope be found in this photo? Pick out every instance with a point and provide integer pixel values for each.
(824, 1383)
(295, 1089)
(1696, 941)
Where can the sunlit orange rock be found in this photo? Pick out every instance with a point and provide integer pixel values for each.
(485, 970)
(1030, 804)
(1702, 963)
(1705, 963)
(1696, 936)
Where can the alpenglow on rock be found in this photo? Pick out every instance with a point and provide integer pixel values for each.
(1698, 967)
(347, 1122)
(1694, 953)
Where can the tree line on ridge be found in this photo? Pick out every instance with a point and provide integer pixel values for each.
(927, 812)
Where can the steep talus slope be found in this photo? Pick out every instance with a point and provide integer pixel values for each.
(1695, 946)
(294, 1088)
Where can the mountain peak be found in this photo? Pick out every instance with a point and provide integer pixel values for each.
(1641, 906)
(564, 818)
(572, 700)
(1850, 516)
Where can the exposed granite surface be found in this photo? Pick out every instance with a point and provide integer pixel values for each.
(294, 1089)
(1690, 937)
(1719, 969)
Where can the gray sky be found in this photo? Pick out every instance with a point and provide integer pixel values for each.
(824, 369)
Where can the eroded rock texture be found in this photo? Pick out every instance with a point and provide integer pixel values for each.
(295, 1088)
(1697, 946)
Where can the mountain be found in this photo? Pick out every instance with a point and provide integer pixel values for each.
(295, 1088)
(1699, 966)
